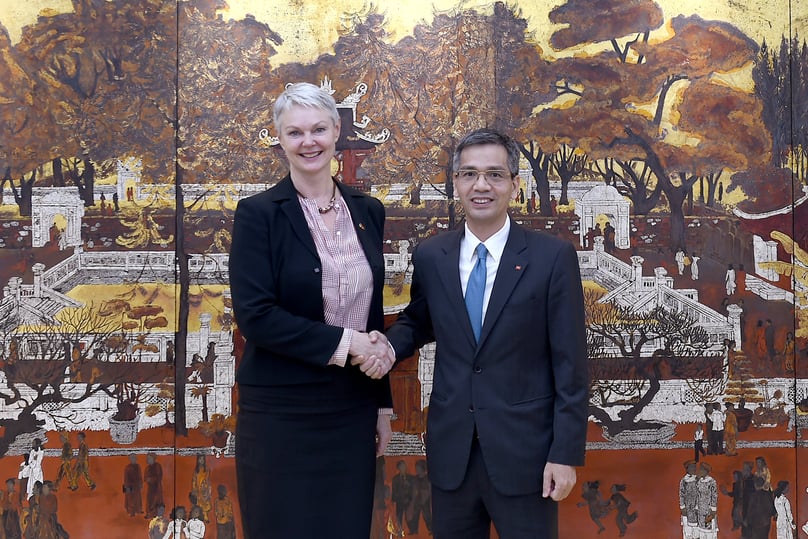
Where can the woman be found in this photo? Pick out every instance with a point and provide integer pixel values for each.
(785, 520)
(306, 274)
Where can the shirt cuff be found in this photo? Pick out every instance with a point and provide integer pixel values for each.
(386, 411)
(340, 356)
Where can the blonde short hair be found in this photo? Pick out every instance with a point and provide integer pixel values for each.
(304, 94)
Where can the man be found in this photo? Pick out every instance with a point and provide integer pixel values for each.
(508, 412)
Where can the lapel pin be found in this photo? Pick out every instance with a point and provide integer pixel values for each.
(518, 268)
(361, 226)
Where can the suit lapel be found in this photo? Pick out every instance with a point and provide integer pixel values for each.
(511, 268)
(286, 196)
(449, 271)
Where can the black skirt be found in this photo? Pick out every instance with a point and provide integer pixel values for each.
(305, 460)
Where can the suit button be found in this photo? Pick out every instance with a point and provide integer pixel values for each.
(478, 369)
(316, 270)
(471, 408)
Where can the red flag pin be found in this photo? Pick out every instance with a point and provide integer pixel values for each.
(518, 268)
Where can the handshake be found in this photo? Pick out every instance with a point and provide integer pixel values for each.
(371, 353)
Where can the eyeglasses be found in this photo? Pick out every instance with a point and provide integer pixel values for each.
(492, 177)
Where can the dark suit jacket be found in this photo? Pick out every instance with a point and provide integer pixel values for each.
(276, 285)
(524, 387)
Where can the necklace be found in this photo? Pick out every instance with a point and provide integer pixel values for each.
(328, 207)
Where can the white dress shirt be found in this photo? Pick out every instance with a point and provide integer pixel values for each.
(468, 258)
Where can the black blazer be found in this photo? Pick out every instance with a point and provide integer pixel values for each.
(524, 387)
(276, 285)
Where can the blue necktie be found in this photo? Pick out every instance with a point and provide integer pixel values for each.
(475, 291)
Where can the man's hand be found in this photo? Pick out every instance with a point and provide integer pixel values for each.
(384, 433)
(371, 353)
(558, 481)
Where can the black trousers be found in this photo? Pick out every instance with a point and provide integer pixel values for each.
(468, 511)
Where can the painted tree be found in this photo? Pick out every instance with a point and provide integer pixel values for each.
(52, 366)
(103, 86)
(524, 81)
(226, 91)
(608, 21)
(713, 111)
(781, 82)
(634, 111)
(638, 350)
(621, 25)
(429, 89)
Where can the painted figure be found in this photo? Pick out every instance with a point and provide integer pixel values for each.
(680, 261)
(47, 524)
(760, 512)
(788, 352)
(608, 237)
(729, 280)
(786, 525)
(402, 492)
(737, 498)
(201, 489)
(768, 334)
(688, 501)
(762, 470)
(66, 464)
(153, 478)
(195, 527)
(717, 428)
(694, 267)
(225, 519)
(707, 503)
(35, 458)
(178, 527)
(617, 500)
(133, 487)
(598, 507)
(158, 525)
(421, 499)
(12, 509)
(83, 462)
(698, 442)
(730, 430)
(24, 474)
